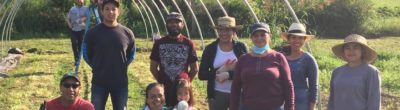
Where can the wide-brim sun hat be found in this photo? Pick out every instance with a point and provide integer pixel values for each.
(368, 54)
(297, 29)
(227, 22)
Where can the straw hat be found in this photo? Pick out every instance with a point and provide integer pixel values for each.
(297, 29)
(227, 22)
(368, 55)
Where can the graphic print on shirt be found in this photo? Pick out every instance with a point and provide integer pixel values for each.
(173, 58)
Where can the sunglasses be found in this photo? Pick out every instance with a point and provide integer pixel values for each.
(68, 85)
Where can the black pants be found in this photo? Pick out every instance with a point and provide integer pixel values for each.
(76, 42)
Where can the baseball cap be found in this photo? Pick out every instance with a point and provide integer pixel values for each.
(260, 26)
(69, 76)
(175, 16)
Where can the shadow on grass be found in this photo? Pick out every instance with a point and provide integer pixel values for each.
(30, 74)
(3, 75)
(87, 86)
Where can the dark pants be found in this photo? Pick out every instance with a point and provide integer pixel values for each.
(170, 93)
(76, 42)
(220, 101)
(119, 97)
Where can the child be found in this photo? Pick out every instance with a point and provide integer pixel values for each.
(184, 96)
(155, 99)
(355, 85)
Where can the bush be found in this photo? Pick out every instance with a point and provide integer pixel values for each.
(39, 16)
(342, 17)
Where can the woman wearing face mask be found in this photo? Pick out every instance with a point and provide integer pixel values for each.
(262, 77)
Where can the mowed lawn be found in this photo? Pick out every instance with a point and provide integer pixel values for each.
(37, 76)
(386, 3)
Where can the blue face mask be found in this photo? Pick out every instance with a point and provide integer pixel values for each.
(260, 50)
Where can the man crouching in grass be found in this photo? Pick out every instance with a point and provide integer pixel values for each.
(69, 99)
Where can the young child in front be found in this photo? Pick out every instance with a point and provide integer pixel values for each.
(184, 96)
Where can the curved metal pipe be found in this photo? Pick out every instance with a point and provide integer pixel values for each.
(9, 24)
(184, 20)
(152, 15)
(2, 6)
(291, 11)
(3, 16)
(1, 22)
(165, 8)
(210, 18)
(252, 11)
(159, 12)
(222, 8)
(197, 23)
(148, 17)
(12, 20)
(6, 26)
(144, 19)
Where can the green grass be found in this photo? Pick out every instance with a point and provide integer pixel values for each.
(386, 25)
(383, 25)
(36, 77)
(387, 3)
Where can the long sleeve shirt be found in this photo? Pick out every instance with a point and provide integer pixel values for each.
(262, 83)
(207, 71)
(355, 88)
(109, 51)
(304, 72)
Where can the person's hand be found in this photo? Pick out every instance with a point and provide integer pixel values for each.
(228, 66)
(222, 76)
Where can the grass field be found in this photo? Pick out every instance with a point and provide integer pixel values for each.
(37, 77)
(384, 25)
(387, 3)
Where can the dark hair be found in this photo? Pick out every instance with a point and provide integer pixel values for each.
(148, 88)
(285, 49)
(151, 86)
(182, 83)
(362, 50)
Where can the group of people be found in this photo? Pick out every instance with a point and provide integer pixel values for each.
(237, 78)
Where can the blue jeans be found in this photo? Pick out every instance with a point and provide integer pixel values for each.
(119, 97)
(301, 101)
